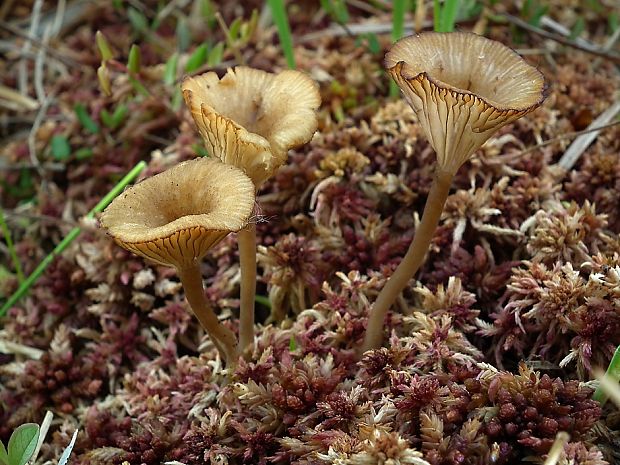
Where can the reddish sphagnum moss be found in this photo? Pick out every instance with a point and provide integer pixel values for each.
(524, 266)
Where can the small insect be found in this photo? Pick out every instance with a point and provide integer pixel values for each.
(257, 219)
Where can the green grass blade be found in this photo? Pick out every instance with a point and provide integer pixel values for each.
(134, 61)
(170, 70)
(284, 31)
(444, 17)
(197, 58)
(263, 300)
(448, 16)
(11, 247)
(613, 373)
(84, 118)
(4, 456)
(399, 9)
(69, 238)
(436, 16)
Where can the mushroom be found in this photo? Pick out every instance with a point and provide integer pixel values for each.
(250, 119)
(463, 88)
(175, 217)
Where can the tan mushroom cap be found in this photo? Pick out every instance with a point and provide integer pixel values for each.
(251, 118)
(175, 217)
(463, 87)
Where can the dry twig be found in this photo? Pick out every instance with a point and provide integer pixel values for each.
(582, 142)
(615, 58)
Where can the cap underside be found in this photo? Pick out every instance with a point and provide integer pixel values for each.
(176, 216)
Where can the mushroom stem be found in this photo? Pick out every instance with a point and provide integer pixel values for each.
(223, 338)
(247, 259)
(412, 260)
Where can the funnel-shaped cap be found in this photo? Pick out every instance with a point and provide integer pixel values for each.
(463, 87)
(251, 118)
(176, 216)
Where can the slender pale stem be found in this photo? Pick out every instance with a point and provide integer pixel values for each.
(411, 262)
(247, 259)
(557, 448)
(223, 338)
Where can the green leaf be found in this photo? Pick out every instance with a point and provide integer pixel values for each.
(24, 189)
(206, 9)
(200, 150)
(170, 71)
(342, 14)
(138, 20)
(83, 153)
(114, 120)
(292, 344)
(373, 43)
(326, 5)
(247, 29)
(104, 47)
(23, 443)
(138, 86)
(184, 36)
(85, 119)
(594, 6)
(216, 54)
(471, 8)
(526, 8)
(119, 115)
(339, 114)
(104, 79)
(197, 59)
(537, 15)
(577, 28)
(4, 457)
(233, 29)
(177, 98)
(106, 118)
(133, 62)
(60, 147)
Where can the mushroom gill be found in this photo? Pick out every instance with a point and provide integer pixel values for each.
(463, 87)
(251, 118)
